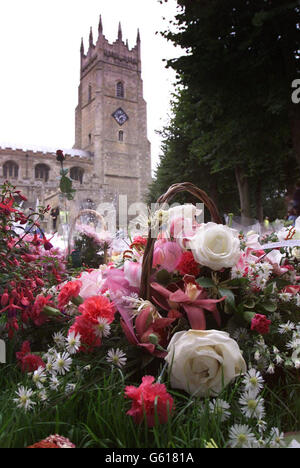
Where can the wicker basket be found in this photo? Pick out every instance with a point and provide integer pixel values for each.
(145, 290)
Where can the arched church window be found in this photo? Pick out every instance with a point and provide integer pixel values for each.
(76, 173)
(120, 89)
(90, 138)
(42, 172)
(90, 93)
(10, 170)
(121, 135)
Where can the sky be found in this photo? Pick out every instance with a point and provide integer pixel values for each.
(40, 64)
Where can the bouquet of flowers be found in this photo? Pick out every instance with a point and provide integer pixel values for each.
(199, 300)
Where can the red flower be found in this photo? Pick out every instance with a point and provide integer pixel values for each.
(54, 441)
(260, 323)
(29, 362)
(187, 265)
(98, 306)
(6, 207)
(68, 292)
(87, 324)
(37, 314)
(60, 156)
(150, 400)
(139, 241)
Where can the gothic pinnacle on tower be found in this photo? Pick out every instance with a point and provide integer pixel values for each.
(82, 47)
(100, 27)
(120, 35)
(91, 40)
(138, 38)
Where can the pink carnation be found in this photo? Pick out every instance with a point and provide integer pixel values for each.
(151, 400)
(261, 324)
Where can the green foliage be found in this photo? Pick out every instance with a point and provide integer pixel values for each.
(232, 118)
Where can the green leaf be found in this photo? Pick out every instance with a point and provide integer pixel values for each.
(163, 277)
(250, 304)
(269, 306)
(230, 297)
(205, 282)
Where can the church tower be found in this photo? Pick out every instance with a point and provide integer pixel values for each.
(111, 117)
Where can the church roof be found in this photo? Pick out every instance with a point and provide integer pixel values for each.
(45, 150)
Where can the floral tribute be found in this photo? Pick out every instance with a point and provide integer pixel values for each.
(223, 305)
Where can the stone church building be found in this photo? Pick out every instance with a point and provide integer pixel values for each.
(111, 155)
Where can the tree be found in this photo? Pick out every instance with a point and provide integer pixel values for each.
(240, 63)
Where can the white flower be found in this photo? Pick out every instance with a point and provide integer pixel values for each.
(277, 438)
(70, 388)
(42, 395)
(73, 342)
(62, 363)
(102, 329)
(251, 406)
(240, 436)
(24, 398)
(286, 327)
(39, 377)
(54, 383)
(116, 357)
(202, 361)
(59, 340)
(50, 364)
(253, 381)
(285, 297)
(220, 409)
(215, 246)
(271, 368)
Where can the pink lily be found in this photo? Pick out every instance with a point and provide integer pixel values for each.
(150, 323)
(193, 299)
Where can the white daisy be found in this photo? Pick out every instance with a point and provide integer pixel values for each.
(285, 297)
(116, 357)
(50, 364)
(24, 398)
(73, 342)
(70, 388)
(220, 409)
(277, 438)
(251, 405)
(39, 377)
(286, 327)
(62, 363)
(253, 381)
(54, 383)
(42, 395)
(240, 436)
(59, 340)
(102, 329)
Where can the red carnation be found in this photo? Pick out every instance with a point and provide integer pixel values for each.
(98, 306)
(261, 324)
(54, 441)
(37, 313)
(151, 400)
(96, 312)
(187, 265)
(69, 291)
(29, 362)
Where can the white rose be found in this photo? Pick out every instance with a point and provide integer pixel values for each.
(201, 362)
(215, 246)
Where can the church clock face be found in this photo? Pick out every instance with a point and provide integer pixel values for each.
(120, 116)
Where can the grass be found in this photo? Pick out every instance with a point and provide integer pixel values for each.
(94, 416)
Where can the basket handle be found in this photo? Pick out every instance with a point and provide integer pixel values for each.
(145, 289)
